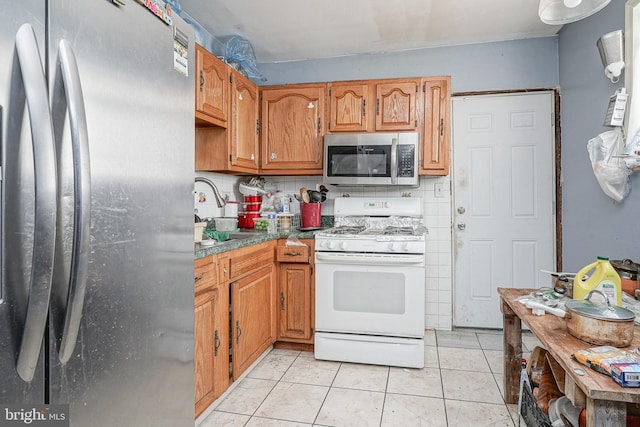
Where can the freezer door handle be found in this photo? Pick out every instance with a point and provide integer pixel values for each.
(82, 200)
(45, 182)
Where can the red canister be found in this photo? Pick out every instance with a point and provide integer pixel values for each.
(245, 219)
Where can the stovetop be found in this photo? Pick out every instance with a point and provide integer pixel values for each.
(375, 225)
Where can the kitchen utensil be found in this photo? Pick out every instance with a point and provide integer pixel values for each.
(599, 323)
(628, 272)
(314, 196)
(594, 322)
(226, 224)
(304, 194)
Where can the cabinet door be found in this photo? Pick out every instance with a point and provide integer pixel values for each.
(212, 88)
(437, 106)
(296, 303)
(347, 107)
(211, 354)
(396, 105)
(244, 136)
(292, 129)
(253, 325)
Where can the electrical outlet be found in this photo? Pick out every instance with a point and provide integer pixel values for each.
(437, 188)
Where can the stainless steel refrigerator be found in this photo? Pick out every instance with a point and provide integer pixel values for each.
(97, 168)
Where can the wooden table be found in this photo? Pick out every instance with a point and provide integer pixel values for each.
(605, 401)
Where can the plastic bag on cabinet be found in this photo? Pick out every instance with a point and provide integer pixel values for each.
(610, 170)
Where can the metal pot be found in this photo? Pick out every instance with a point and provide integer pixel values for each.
(599, 323)
(628, 272)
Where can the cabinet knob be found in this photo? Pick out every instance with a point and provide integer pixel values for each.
(274, 156)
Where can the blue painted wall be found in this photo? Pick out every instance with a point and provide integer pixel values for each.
(593, 224)
(531, 63)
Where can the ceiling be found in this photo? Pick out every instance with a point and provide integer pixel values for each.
(292, 30)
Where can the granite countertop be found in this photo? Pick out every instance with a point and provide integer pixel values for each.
(248, 237)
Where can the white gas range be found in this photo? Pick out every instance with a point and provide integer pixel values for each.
(370, 282)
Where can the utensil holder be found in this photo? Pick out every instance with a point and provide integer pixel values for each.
(310, 214)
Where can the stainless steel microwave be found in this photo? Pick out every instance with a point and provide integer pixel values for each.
(356, 159)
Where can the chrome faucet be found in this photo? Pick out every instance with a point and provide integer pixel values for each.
(220, 201)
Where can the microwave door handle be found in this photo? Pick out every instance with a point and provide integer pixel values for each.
(82, 197)
(394, 160)
(46, 193)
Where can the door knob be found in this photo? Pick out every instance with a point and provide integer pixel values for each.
(462, 226)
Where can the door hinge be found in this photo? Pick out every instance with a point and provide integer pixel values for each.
(230, 158)
(230, 78)
(364, 107)
(417, 88)
(424, 87)
(282, 300)
(329, 92)
(311, 268)
(318, 125)
(377, 106)
(441, 127)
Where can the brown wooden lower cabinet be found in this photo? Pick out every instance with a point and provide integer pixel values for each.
(253, 317)
(243, 303)
(296, 308)
(211, 320)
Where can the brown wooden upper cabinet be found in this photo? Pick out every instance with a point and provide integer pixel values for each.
(292, 127)
(374, 105)
(212, 89)
(434, 158)
(244, 135)
(235, 148)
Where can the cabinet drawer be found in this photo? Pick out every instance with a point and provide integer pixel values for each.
(205, 272)
(245, 260)
(293, 254)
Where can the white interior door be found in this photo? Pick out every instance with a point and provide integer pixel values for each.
(504, 194)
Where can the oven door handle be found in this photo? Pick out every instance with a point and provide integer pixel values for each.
(360, 259)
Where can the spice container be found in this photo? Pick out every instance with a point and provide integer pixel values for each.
(284, 222)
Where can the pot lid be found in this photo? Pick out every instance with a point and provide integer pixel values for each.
(626, 265)
(600, 310)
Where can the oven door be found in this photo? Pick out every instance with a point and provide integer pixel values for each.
(373, 294)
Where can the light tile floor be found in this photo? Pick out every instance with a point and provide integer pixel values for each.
(460, 386)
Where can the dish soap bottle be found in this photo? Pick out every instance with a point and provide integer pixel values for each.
(603, 278)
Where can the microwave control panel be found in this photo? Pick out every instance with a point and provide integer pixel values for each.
(406, 160)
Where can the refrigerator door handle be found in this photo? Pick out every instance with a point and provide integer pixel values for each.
(45, 179)
(82, 200)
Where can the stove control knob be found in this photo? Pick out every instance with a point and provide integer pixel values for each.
(387, 205)
(343, 245)
(405, 247)
(331, 244)
(394, 246)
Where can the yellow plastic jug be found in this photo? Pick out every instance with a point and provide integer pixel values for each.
(603, 278)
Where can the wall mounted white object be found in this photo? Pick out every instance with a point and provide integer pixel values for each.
(611, 48)
(559, 12)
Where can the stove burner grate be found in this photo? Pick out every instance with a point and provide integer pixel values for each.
(348, 229)
(405, 231)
